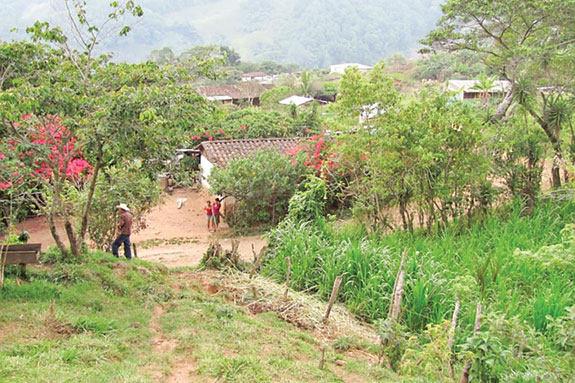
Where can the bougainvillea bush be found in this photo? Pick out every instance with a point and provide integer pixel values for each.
(40, 153)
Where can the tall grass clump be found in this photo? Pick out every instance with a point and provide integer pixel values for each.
(501, 261)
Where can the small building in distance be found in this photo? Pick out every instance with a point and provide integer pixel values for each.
(240, 94)
(260, 77)
(296, 100)
(340, 68)
(469, 89)
(220, 153)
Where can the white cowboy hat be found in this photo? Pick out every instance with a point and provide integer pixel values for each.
(123, 206)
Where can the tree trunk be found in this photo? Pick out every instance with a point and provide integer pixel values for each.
(502, 108)
(3, 256)
(74, 248)
(274, 200)
(555, 141)
(88, 204)
(52, 224)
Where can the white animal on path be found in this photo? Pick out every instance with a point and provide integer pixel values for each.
(180, 202)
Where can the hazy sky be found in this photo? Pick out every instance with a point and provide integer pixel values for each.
(273, 34)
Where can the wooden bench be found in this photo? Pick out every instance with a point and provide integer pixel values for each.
(21, 255)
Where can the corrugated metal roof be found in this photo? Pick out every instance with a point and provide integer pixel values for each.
(295, 100)
(222, 152)
(469, 86)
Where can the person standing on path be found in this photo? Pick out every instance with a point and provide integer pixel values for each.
(216, 210)
(209, 214)
(124, 232)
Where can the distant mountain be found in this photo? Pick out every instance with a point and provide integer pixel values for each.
(312, 33)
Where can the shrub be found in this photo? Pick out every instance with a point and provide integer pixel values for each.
(261, 184)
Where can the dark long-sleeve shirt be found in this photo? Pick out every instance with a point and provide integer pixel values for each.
(125, 225)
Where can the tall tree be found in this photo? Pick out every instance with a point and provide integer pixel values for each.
(114, 112)
(528, 42)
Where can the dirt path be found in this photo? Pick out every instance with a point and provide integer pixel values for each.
(183, 371)
(174, 237)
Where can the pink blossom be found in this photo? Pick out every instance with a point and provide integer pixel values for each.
(2, 156)
(5, 185)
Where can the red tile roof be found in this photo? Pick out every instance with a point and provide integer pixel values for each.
(222, 152)
(239, 91)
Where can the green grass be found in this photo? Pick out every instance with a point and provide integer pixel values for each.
(475, 263)
(101, 329)
(98, 332)
(231, 345)
(520, 268)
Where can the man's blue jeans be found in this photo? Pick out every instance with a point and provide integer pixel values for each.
(125, 239)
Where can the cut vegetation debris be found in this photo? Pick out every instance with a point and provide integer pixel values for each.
(262, 295)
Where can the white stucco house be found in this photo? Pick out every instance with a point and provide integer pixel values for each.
(261, 77)
(468, 89)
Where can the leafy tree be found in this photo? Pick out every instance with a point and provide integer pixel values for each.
(271, 97)
(357, 91)
(306, 83)
(126, 183)
(261, 184)
(232, 57)
(530, 43)
(422, 158)
(441, 66)
(162, 56)
(116, 112)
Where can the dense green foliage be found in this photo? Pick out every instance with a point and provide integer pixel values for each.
(505, 262)
(530, 44)
(261, 184)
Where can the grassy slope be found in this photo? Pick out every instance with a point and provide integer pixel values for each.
(120, 322)
(481, 259)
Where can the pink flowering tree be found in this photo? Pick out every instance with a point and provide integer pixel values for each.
(42, 164)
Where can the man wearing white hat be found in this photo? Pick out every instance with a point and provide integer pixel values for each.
(124, 229)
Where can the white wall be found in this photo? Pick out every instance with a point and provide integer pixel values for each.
(206, 167)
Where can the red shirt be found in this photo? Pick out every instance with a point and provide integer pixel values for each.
(216, 209)
(208, 210)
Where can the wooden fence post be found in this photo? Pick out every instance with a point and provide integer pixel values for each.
(467, 367)
(257, 262)
(322, 357)
(3, 256)
(452, 334)
(135, 250)
(332, 298)
(288, 261)
(395, 283)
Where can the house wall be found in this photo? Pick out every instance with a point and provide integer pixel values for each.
(206, 169)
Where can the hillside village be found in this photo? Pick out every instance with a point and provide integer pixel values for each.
(201, 215)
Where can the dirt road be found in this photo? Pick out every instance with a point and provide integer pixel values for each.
(174, 237)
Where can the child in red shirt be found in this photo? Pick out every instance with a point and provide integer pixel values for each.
(216, 210)
(209, 214)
